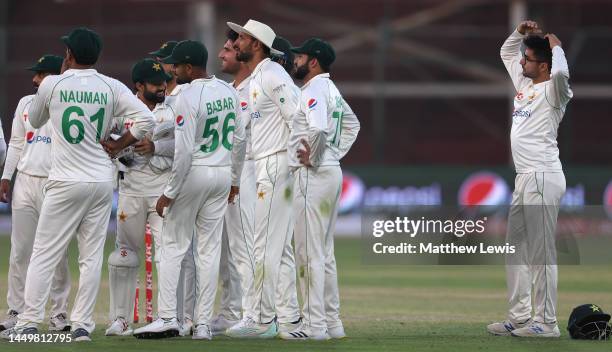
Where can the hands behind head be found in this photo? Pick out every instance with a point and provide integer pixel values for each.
(532, 27)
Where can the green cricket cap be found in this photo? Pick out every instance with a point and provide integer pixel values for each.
(188, 52)
(48, 63)
(318, 48)
(165, 49)
(84, 44)
(149, 71)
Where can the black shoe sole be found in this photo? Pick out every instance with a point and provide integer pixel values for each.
(157, 335)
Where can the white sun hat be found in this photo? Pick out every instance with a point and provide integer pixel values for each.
(259, 31)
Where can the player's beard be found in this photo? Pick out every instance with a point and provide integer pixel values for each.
(243, 56)
(153, 97)
(180, 80)
(301, 71)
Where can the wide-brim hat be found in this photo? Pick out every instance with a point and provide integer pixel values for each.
(259, 31)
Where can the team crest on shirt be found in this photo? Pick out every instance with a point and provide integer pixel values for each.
(180, 120)
(312, 103)
(519, 96)
(243, 105)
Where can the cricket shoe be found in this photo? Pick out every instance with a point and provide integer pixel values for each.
(59, 323)
(159, 329)
(119, 327)
(16, 332)
(247, 328)
(202, 332)
(336, 332)
(10, 321)
(80, 335)
(303, 332)
(536, 329)
(219, 324)
(288, 327)
(186, 327)
(506, 327)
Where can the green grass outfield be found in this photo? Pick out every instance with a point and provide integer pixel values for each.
(384, 308)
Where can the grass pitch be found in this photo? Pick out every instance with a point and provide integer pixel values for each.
(384, 308)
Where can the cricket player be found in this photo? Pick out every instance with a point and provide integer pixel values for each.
(287, 307)
(80, 106)
(324, 129)
(187, 285)
(237, 266)
(208, 158)
(540, 76)
(273, 100)
(164, 51)
(29, 152)
(139, 187)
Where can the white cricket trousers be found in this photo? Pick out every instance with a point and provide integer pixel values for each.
(315, 208)
(237, 263)
(69, 208)
(202, 202)
(26, 203)
(275, 277)
(532, 222)
(133, 214)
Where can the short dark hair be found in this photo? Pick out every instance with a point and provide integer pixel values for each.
(266, 50)
(540, 47)
(324, 67)
(231, 35)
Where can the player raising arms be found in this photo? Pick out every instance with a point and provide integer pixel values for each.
(80, 106)
(29, 152)
(540, 76)
(208, 158)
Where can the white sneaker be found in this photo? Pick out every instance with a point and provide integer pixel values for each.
(15, 332)
(336, 332)
(504, 328)
(119, 327)
(219, 324)
(160, 328)
(248, 328)
(202, 332)
(10, 320)
(305, 333)
(288, 327)
(536, 329)
(59, 323)
(186, 327)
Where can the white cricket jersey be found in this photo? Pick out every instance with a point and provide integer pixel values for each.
(245, 113)
(81, 106)
(325, 121)
(29, 148)
(538, 110)
(273, 97)
(140, 180)
(208, 131)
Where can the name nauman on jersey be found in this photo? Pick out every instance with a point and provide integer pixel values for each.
(83, 97)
